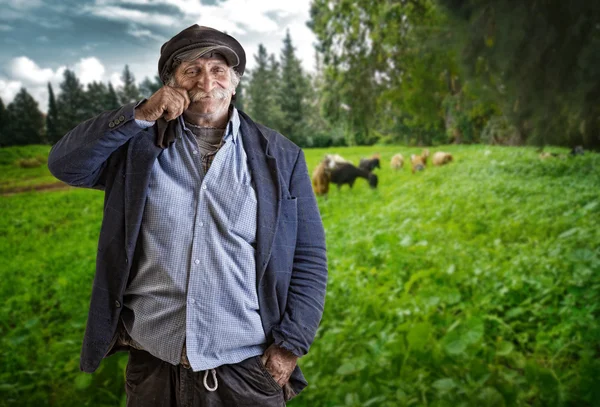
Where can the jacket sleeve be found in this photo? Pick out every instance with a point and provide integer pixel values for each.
(306, 294)
(79, 158)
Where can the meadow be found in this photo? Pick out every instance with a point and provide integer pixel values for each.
(472, 284)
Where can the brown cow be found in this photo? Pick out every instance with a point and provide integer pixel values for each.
(321, 177)
(417, 163)
(397, 162)
(441, 158)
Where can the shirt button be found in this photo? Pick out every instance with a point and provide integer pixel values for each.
(195, 152)
(193, 301)
(201, 224)
(197, 261)
(204, 187)
(117, 304)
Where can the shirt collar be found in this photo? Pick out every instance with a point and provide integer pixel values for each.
(233, 125)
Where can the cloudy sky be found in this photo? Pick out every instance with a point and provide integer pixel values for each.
(96, 38)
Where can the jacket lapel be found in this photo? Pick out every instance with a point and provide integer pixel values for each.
(142, 154)
(263, 167)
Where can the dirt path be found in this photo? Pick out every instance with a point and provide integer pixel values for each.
(55, 186)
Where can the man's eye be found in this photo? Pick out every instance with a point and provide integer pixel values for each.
(191, 71)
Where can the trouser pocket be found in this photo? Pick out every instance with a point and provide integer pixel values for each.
(248, 383)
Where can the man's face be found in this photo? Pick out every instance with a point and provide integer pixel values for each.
(209, 85)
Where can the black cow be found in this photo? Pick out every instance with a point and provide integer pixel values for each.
(369, 164)
(347, 174)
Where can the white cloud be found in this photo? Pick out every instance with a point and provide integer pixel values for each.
(24, 72)
(251, 22)
(27, 71)
(89, 70)
(115, 79)
(116, 13)
(5, 27)
(8, 90)
(141, 33)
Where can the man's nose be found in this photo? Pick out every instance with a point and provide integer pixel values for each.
(205, 82)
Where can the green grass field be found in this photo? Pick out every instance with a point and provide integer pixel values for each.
(473, 284)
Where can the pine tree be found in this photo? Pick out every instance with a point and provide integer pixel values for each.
(240, 95)
(292, 94)
(25, 121)
(262, 91)
(52, 120)
(259, 88)
(148, 87)
(2, 120)
(96, 96)
(112, 100)
(70, 103)
(129, 92)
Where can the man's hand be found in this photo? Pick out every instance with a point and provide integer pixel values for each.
(166, 102)
(280, 363)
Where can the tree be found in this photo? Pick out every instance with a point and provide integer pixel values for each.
(292, 94)
(129, 92)
(112, 100)
(70, 103)
(261, 95)
(240, 95)
(52, 119)
(149, 87)
(96, 96)
(2, 120)
(541, 62)
(25, 121)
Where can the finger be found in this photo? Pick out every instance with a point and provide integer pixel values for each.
(179, 103)
(185, 96)
(174, 108)
(170, 114)
(282, 378)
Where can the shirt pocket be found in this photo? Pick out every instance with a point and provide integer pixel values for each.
(243, 213)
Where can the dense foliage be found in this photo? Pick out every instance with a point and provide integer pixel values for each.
(473, 284)
(414, 71)
(541, 61)
(22, 121)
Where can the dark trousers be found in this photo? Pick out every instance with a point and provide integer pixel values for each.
(150, 382)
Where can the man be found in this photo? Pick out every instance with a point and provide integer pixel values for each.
(211, 266)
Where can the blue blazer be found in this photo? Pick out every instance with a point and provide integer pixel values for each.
(291, 262)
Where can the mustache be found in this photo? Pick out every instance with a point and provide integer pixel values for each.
(196, 94)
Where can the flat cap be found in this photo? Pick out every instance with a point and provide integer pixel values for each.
(210, 40)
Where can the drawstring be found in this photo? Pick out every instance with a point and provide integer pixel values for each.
(205, 381)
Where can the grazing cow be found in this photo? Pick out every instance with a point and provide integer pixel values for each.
(320, 178)
(333, 160)
(397, 162)
(369, 164)
(417, 163)
(425, 156)
(441, 158)
(347, 174)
